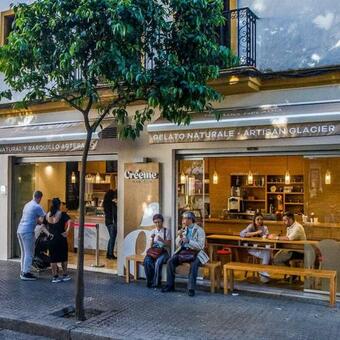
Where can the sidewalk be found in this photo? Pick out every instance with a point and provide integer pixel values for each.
(135, 312)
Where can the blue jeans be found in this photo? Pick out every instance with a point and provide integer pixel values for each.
(26, 242)
(112, 229)
(153, 269)
(171, 272)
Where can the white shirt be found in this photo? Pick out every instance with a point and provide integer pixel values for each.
(160, 234)
(296, 232)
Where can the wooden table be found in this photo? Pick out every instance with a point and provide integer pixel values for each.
(220, 240)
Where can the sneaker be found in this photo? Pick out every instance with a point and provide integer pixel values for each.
(168, 289)
(66, 278)
(191, 292)
(56, 279)
(27, 277)
(264, 279)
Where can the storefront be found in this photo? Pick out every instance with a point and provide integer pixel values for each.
(269, 159)
(263, 155)
(43, 152)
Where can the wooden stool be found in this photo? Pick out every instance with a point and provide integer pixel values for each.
(215, 275)
(254, 260)
(137, 259)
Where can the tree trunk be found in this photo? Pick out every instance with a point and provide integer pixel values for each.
(80, 311)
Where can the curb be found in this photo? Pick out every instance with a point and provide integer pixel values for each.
(33, 328)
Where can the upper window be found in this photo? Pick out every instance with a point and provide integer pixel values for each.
(6, 25)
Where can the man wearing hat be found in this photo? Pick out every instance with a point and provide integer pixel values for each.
(190, 244)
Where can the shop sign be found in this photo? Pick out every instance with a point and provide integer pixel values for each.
(140, 175)
(246, 133)
(141, 201)
(52, 147)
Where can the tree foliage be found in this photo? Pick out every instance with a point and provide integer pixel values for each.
(160, 52)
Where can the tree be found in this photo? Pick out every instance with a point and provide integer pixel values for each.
(158, 52)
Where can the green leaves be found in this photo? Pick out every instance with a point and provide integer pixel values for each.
(160, 52)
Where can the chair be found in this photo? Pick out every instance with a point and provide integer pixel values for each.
(330, 252)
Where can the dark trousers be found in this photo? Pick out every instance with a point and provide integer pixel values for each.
(171, 271)
(153, 268)
(112, 229)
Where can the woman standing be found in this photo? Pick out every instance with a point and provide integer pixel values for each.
(58, 224)
(110, 210)
(257, 229)
(158, 253)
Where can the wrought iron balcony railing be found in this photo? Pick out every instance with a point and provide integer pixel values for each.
(239, 34)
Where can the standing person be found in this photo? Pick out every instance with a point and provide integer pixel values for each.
(32, 215)
(110, 210)
(190, 242)
(158, 253)
(258, 229)
(58, 224)
(295, 232)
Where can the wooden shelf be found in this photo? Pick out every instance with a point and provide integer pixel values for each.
(283, 183)
(292, 203)
(294, 193)
(254, 200)
(252, 186)
(275, 193)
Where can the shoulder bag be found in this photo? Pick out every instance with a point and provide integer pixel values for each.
(156, 252)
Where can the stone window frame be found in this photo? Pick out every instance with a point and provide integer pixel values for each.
(4, 25)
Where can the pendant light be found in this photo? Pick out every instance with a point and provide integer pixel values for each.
(328, 177)
(250, 174)
(182, 178)
(73, 177)
(287, 174)
(215, 174)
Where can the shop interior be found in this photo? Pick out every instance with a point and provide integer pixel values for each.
(61, 179)
(226, 192)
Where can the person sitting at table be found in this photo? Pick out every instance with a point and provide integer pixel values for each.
(258, 229)
(294, 232)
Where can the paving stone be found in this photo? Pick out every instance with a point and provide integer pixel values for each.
(6, 334)
(135, 312)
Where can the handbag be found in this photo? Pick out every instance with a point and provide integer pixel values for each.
(156, 252)
(187, 255)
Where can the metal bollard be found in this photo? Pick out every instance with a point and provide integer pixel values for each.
(97, 264)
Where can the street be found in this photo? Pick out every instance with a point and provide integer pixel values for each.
(132, 311)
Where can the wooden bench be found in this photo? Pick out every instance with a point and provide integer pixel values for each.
(213, 267)
(137, 259)
(215, 275)
(229, 268)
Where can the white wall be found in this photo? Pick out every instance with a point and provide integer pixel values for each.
(4, 206)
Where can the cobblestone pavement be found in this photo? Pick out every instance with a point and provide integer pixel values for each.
(135, 312)
(6, 334)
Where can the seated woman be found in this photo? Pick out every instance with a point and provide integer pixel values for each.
(58, 224)
(257, 229)
(158, 253)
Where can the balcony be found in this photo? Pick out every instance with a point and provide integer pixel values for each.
(239, 34)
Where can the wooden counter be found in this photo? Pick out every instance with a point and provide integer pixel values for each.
(314, 231)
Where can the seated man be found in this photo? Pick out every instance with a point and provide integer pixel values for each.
(295, 232)
(190, 242)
